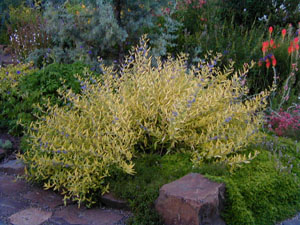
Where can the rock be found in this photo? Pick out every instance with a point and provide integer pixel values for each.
(13, 167)
(97, 216)
(71, 214)
(291, 222)
(9, 206)
(11, 186)
(112, 201)
(191, 200)
(32, 216)
(44, 198)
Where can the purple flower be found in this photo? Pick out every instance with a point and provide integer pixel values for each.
(214, 138)
(18, 72)
(192, 101)
(83, 87)
(227, 120)
(145, 128)
(175, 113)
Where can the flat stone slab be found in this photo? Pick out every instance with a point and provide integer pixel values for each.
(73, 215)
(12, 167)
(44, 198)
(191, 200)
(110, 200)
(31, 216)
(11, 186)
(291, 222)
(9, 206)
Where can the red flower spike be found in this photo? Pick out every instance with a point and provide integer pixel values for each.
(271, 43)
(296, 40)
(268, 63)
(283, 33)
(270, 29)
(274, 61)
(290, 49)
(297, 47)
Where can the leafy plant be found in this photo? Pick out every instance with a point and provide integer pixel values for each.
(5, 144)
(10, 94)
(75, 148)
(28, 89)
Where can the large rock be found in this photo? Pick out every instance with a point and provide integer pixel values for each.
(191, 200)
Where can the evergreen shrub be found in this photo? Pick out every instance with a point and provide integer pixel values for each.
(157, 110)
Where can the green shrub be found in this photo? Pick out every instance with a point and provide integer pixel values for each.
(10, 94)
(79, 29)
(37, 88)
(160, 110)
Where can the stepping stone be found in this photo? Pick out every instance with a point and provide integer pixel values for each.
(11, 186)
(112, 201)
(291, 222)
(191, 200)
(103, 216)
(59, 221)
(44, 198)
(73, 215)
(12, 167)
(31, 216)
(9, 206)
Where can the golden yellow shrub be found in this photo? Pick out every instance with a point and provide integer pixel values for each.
(159, 109)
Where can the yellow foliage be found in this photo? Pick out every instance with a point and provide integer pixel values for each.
(204, 110)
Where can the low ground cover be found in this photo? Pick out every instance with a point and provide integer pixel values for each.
(263, 192)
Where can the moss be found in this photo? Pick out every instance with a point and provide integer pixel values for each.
(258, 193)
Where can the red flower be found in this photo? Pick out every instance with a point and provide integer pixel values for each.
(268, 63)
(283, 32)
(296, 40)
(271, 43)
(290, 49)
(265, 46)
(274, 62)
(270, 29)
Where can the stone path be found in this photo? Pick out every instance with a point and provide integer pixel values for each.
(25, 204)
(293, 221)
